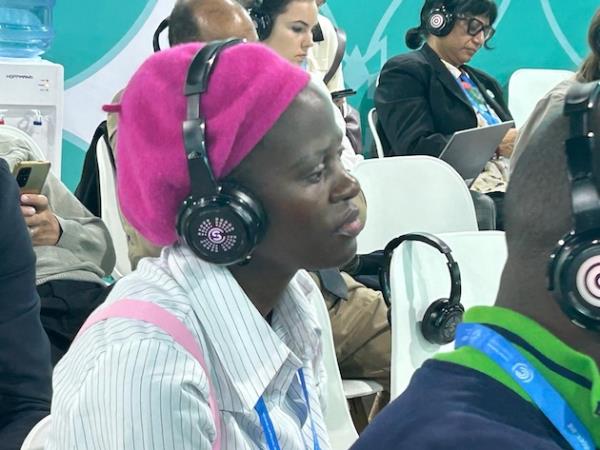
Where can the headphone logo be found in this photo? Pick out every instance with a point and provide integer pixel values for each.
(436, 21)
(218, 236)
(588, 280)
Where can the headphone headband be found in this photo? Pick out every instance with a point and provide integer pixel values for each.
(202, 179)
(431, 240)
(580, 101)
(156, 36)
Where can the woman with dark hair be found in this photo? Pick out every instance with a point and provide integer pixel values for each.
(425, 96)
(286, 26)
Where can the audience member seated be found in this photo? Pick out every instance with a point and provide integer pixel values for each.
(321, 56)
(324, 59)
(425, 96)
(25, 370)
(129, 384)
(358, 314)
(489, 393)
(190, 21)
(287, 27)
(555, 99)
(74, 252)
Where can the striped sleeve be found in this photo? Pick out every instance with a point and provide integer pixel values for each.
(156, 400)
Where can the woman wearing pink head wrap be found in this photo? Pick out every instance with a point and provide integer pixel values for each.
(256, 377)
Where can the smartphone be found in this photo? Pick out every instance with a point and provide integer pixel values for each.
(343, 93)
(31, 176)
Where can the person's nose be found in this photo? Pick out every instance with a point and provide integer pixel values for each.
(308, 41)
(479, 38)
(346, 186)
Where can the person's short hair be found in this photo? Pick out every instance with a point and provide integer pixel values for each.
(415, 36)
(590, 69)
(183, 24)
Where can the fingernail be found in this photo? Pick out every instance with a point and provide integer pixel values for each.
(24, 198)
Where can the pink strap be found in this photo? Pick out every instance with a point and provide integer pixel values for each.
(169, 323)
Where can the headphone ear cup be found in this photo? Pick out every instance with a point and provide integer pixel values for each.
(439, 22)
(262, 22)
(576, 279)
(223, 229)
(440, 321)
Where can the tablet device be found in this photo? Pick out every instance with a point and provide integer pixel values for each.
(469, 150)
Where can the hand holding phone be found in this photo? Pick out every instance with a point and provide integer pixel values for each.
(31, 176)
(43, 225)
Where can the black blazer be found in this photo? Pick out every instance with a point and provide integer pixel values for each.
(25, 370)
(420, 105)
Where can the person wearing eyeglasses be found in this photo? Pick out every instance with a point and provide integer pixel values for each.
(425, 96)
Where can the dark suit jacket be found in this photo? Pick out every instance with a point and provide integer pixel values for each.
(25, 370)
(420, 105)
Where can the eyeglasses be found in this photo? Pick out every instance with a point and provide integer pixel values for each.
(476, 26)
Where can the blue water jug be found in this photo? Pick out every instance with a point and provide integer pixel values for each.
(25, 27)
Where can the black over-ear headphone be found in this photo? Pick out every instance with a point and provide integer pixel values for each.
(443, 315)
(262, 21)
(156, 36)
(574, 268)
(221, 222)
(439, 21)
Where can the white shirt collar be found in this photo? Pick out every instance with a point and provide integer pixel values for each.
(455, 71)
(293, 339)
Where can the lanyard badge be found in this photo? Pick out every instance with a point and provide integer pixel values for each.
(540, 391)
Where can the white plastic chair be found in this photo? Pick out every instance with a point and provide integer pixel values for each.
(340, 428)
(412, 193)
(372, 119)
(419, 276)
(110, 209)
(527, 86)
(36, 439)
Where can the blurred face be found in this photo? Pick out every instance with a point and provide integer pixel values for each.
(291, 36)
(297, 174)
(466, 38)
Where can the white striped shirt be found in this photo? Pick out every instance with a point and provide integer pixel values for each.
(126, 384)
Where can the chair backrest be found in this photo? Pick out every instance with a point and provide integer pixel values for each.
(419, 276)
(340, 428)
(110, 209)
(527, 86)
(412, 193)
(36, 439)
(372, 119)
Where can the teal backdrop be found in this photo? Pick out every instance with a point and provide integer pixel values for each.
(530, 33)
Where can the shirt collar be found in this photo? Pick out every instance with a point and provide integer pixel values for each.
(455, 71)
(573, 374)
(222, 305)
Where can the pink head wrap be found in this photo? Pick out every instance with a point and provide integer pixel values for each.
(249, 89)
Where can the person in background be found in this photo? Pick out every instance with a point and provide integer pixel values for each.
(189, 21)
(127, 384)
(425, 96)
(555, 99)
(74, 252)
(25, 369)
(525, 374)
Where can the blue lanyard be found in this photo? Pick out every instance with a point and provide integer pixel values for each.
(267, 423)
(547, 399)
(485, 113)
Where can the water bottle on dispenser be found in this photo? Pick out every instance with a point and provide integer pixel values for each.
(31, 88)
(25, 27)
